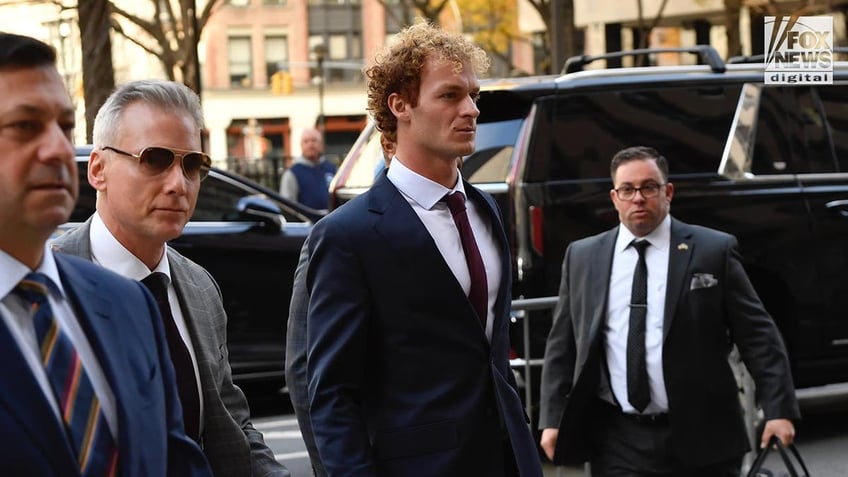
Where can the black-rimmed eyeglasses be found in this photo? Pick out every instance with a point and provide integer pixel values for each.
(156, 160)
(648, 191)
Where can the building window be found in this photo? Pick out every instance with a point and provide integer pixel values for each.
(240, 61)
(276, 54)
(337, 24)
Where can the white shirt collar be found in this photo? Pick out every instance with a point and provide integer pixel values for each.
(14, 271)
(419, 188)
(659, 238)
(108, 252)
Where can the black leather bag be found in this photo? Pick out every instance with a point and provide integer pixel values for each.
(789, 455)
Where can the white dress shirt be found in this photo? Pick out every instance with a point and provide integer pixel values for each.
(108, 252)
(618, 313)
(16, 316)
(424, 196)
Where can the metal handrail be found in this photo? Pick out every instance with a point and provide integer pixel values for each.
(519, 308)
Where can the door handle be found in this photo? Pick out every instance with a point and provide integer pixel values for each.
(838, 206)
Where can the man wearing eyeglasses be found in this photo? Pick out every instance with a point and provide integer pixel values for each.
(636, 378)
(147, 168)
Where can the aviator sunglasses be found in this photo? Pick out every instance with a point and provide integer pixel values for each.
(156, 160)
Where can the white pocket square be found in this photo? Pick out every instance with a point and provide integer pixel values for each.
(702, 280)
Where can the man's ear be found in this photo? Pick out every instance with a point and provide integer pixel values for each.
(398, 106)
(97, 170)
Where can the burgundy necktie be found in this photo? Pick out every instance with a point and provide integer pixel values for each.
(638, 389)
(479, 293)
(157, 283)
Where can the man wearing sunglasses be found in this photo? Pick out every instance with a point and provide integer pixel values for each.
(147, 169)
(61, 316)
(636, 377)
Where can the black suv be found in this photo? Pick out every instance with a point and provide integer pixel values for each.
(767, 163)
(249, 239)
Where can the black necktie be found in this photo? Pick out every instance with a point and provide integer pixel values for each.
(638, 389)
(479, 292)
(157, 282)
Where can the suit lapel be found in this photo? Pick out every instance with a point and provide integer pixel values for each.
(23, 400)
(75, 242)
(681, 246)
(412, 245)
(598, 279)
(193, 304)
(503, 303)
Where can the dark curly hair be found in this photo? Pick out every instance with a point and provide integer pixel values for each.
(398, 68)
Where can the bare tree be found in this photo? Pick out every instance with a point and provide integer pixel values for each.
(731, 22)
(98, 74)
(564, 25)
(172, 32)
(643, 30)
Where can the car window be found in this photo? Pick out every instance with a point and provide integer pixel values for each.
(491, 159)
(489, 163)
(219, 197)
(217, 200)
(789, 124)
(576, 134)
(835, 105)
(87, 196)
(367, 164)
(801, 129)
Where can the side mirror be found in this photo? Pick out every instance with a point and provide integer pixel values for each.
(258, 208)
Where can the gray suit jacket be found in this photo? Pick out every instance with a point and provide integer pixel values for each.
(296, 360)
(229, 439)
(710, 304)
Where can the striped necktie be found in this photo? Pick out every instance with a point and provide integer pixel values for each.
(85, 424)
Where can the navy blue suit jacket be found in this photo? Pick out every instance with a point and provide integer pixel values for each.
(402, 380)
(122, 324)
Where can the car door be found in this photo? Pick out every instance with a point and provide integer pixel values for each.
(822, 129)
(787, 139)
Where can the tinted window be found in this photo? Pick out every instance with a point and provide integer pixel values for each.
(218, 200)
(791, 134)
(87, 196)
(835, 105)
(576, 135)
(489, 163)
(495, 143)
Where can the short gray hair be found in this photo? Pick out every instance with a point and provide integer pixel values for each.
(168, 95)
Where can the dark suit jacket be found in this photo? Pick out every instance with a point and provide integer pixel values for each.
(296, 360)
(402, 380)
(230, 441)
(122, 324)
(700, 325)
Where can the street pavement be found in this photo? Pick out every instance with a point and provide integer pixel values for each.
(822, 436)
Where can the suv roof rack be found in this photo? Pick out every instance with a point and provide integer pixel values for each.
(707, 53)
(735, 60)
